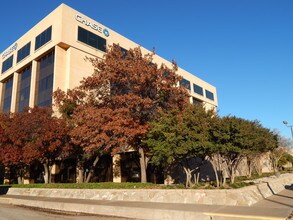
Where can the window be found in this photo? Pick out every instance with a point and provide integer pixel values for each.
(197, 89)
(24, 89)
(196, 101)
(7, 64)
(124, 52)
(185, 83)
(45, 80)
(91, 39)
(209, 95)
(7, 95)
(43, 38)
(23, 52)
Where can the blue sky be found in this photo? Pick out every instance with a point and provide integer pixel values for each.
(243, 47)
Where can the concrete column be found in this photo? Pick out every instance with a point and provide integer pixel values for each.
(6, 175)
(33, 88)
(13, 107)
(60, 71)
(60, 66)
(26, 175)
(1, 96)
(117, 178)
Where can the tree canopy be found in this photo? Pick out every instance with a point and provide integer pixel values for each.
(111, 109)
(178, 136)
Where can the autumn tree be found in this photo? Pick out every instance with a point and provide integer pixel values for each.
(41, 137)
(10, 154)
(126, 91)
(5, 142)
(179, 136)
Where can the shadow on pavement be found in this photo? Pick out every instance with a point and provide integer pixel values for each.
(4, 189)
(289, 187)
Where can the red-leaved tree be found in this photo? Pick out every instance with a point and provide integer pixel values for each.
(111, 109)
(40, 136)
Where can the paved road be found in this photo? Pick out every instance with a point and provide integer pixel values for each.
(10, 212)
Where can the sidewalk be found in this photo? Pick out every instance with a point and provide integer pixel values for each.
(276, 207)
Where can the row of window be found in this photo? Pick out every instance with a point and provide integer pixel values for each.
(197, 89)
(44, 85)
(23, 52)
(84, 36)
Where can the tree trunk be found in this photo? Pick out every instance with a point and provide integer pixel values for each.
(20, 171)
(79, 171)
(258, 168)
(224, 177)
(19, 180)
(46, 170)
(249, 167)
(196, 178)
(232, 176)
(91, 172)
(142, 162)
(188, 173)
(216, 173)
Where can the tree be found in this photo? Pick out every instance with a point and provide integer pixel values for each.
(231, 140)
(127, 90)
(260, 141)
(11, 155)
(285, 160)
(283, 145)
(40, 136)
(177, 136)
(5, 143)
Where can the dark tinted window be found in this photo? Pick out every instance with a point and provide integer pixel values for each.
(7, 95)
(197, 89)
(209, 95)
(45, 80)
(43, 38)
(23, 52)
(24, 89)
(7, 64)
(91, 39)
(196, 101)
(185, 83)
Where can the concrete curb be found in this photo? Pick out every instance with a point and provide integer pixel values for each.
(236, 197)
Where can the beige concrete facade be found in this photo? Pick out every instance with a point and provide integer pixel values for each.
(69, 65)
(69, 53)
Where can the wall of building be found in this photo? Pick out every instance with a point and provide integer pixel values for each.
(70, 64)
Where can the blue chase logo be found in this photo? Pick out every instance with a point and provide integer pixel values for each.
(106, 32)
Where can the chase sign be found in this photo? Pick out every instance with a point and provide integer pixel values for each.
(9, 51)
(92, 25)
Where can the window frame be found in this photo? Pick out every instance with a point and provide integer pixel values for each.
(210, 95)
(43, 38)
(91, 39)
(23, 52)
(7, 64)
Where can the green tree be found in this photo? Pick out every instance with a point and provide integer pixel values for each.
(283, 146)
(260, 141)
(177, 136)
(229, 135)
(285, 160)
